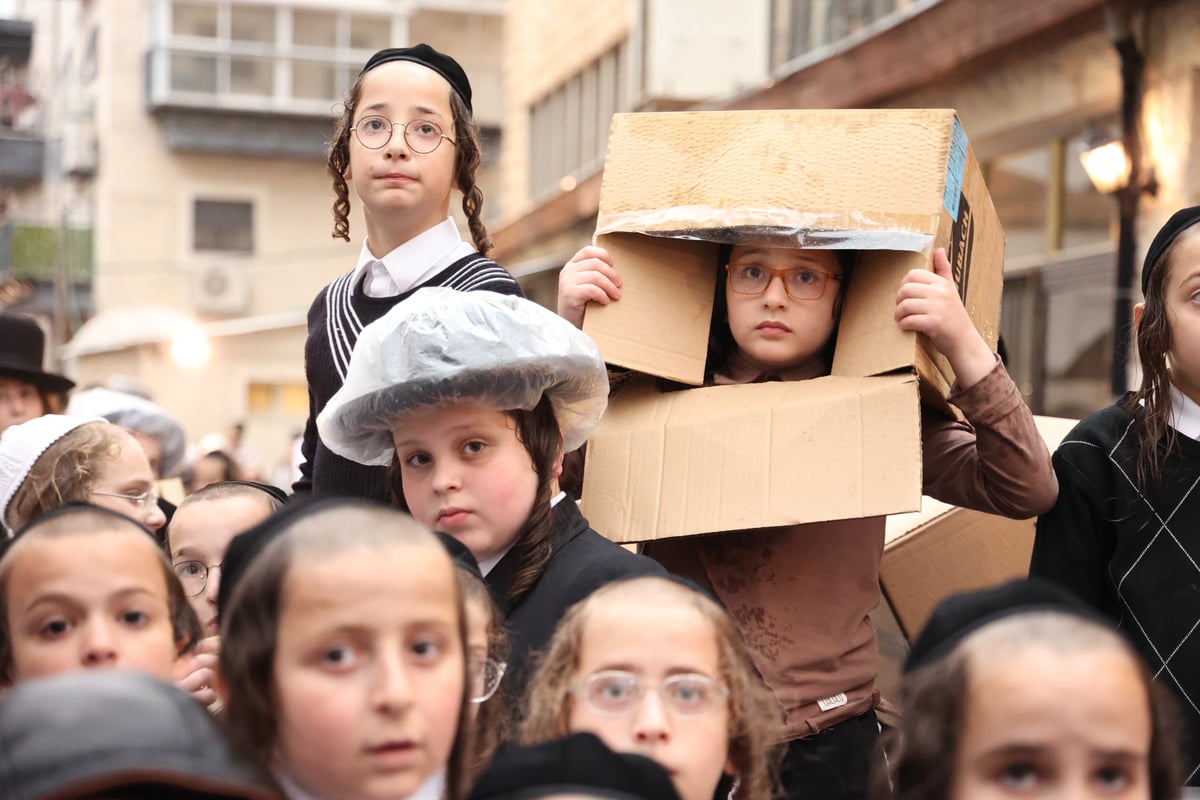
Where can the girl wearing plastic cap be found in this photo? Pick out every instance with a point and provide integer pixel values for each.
(472, 399)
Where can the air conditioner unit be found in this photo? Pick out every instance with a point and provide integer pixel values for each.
(221, 289)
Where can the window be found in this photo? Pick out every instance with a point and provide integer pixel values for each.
(223, 226)
(569, 126)
(288, 398)
(1059, 281)
(815, 25)
(259, 56)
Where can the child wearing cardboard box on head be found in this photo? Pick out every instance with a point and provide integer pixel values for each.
(1019, 690)
(473, 398)
(802, 594)
(1125, 530)
(84, 587)
(343, 653)
(406, 139)
(653, 667)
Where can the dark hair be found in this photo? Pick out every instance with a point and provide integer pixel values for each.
(222, 490)
(538, 431)
(721, 344)
(494, 720)
(250, 624)
(467, 157)
(922, 750)
(1151, 403)
(80, 519)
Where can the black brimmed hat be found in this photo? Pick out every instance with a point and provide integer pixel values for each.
(22, 349)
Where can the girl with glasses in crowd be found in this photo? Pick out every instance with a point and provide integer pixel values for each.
(472, 398)
(802, 594)
(405, 139)
(1125, 532)
(53, 460)
(654, 667)
(343, 657)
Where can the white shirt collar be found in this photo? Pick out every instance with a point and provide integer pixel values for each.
(431, 789)
(1185, 414)
(488, 564)
(413, 262)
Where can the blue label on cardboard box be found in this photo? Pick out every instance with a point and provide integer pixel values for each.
(956, 165)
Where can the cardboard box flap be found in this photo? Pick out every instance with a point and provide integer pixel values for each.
(943, 549)
(730, 458)
(701, 173)
(889, 184)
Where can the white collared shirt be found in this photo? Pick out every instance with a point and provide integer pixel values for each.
(412, 263)
(488, 564)
(1185, 414)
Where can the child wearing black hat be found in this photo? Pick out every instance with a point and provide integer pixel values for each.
(26, 389)
(406, 138)
(1125, 532)
(343, 660)
(1020, 690)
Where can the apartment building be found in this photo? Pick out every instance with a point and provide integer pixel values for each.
(1034, 82)
(194, 132)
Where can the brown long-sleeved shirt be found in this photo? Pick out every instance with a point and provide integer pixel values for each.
(801, 595)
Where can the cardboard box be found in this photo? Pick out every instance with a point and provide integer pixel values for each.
(729, 458)
(891, 184)
(942, 549)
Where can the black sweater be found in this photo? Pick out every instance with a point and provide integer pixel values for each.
(335, 320)
(581, 562)
(1132, 552)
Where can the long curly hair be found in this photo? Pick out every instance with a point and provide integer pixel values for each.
(467, 157)
(1151, 403)
(753, 710)
(66, 472)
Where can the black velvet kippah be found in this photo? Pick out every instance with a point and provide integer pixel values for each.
(426, 56)
(246, 545)
(578, 765)
(961, 614)
(1180, 221)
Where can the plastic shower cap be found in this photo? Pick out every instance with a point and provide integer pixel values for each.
(443, 346)
(136, 414)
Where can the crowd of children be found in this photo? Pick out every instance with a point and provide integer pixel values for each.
(430, 615)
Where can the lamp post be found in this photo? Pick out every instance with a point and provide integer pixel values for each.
(1116, 167)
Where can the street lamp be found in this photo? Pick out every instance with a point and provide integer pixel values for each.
(1115, 167)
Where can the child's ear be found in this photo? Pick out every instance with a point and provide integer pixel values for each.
(558, 460)
(1137, 315)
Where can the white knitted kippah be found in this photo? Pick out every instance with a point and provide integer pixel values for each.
(22, 445)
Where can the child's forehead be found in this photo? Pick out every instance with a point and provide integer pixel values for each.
(404, 85)
(95, 557)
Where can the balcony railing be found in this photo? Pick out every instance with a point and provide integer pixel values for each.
(32, 252)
